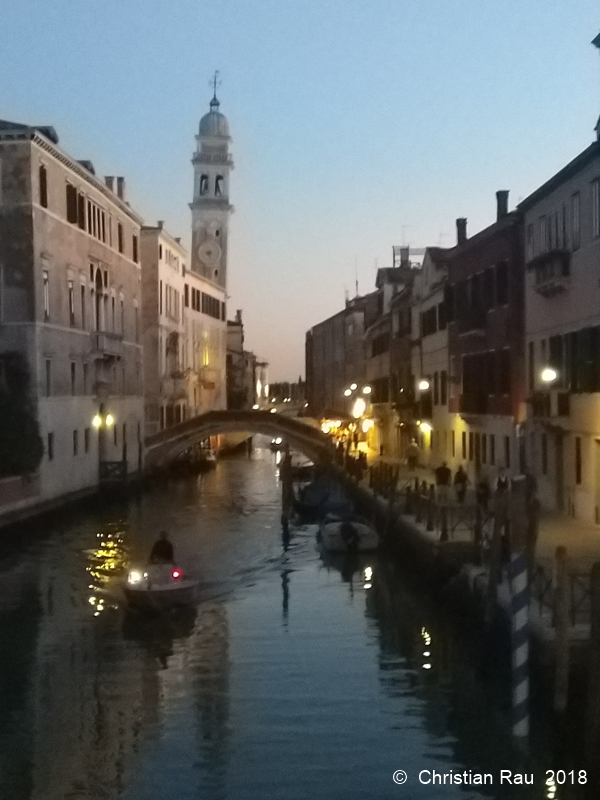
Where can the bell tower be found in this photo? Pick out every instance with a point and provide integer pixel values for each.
(210, 207)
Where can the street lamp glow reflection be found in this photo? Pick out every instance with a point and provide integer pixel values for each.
(549, 375)
(423, 385)
(359, 407)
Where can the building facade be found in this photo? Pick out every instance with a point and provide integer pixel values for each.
(562, 305)
(70, 310)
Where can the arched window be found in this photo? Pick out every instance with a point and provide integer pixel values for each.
(203, 184)
(99, 291)
(218, 186)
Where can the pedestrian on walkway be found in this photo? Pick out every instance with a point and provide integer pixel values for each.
(461, 479)
(502, 482)
(443, 477)
(412, 454)
(483, 492)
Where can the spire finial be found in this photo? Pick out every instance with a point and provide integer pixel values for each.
(214, 83)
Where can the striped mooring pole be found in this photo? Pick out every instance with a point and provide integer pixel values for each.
(519, 582)
(519, 589)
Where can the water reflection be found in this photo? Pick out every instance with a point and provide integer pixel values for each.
(105, 562)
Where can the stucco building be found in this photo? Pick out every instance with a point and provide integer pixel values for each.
(70, 308)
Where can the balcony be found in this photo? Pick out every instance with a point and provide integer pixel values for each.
(474, 403)
(552, 272)
(107, 345)
(175, 386)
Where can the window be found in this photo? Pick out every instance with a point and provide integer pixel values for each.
(160, 297)
(86, 440)
(575, 221)
(218, 186)
(137, 323)
(564, 235)
(186, 295)
(442, 322)
(488, 289)
(71, 300)
(48, 378)
(544, 454)
(116, 435)
(46, 294)
(483, 448)
(492, 449)
(596, 208)
(75, 442)
(578, 460)
(471, 442)
(502, 283)
(81, 211)
(464, 445)
(203, 184)
(85, 378)
(124, 434)
(507, 452)
(504, 371)
(83, 317)
(443, 387)
(113, 312)
(160, 250)
(530, 251)
(71, 203)
(73, 378)
(43, 186)
(531, 367)
(134, 248)
(542, 225)
(453, 444)
(436, 389)
(122, 317)
(120, 236)
(50, 446)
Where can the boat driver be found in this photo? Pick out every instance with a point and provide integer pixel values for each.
(162, 550)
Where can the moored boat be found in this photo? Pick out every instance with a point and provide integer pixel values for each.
(347, 535)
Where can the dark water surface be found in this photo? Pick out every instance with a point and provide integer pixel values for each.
(294, 678)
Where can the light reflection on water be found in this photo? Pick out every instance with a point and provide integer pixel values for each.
(296, 676)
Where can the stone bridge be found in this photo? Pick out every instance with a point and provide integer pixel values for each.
(162, 447)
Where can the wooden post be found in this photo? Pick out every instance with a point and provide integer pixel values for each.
(519, 588)
(419, 504)
(287, 489)
(561, 623)
(494, 571)
(444, 522)
(593, 705)
(431, 507)
(408, 504)
(391, 501)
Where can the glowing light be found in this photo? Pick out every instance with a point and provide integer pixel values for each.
(358, 409)
(134, 576)
(423, 385)
(367, 424)
(353, 387)
(273, 411)
(255, 406)
(549, 375)
(96, 422)
(368, 573)
(426, 666)
(305, 405)
(278, 440)
(176, 573)
(425, 427)
(258, 388)
(367, 390)
(368, 585)
(266, 389)
(326, 427)
(347, 392)
(426, 653)
(109, 420)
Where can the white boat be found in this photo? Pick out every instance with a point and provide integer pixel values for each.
(159, 586)
(341, 536)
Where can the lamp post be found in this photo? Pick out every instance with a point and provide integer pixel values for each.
(359, 397)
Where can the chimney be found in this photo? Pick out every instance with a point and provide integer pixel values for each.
(121, 187)
(502, 203)
(461, 230)
(178, 239)
(109, 180)
(160, 224)
(404, 257)
(238, 316)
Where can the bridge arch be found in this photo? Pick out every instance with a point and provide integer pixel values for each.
(164, 446)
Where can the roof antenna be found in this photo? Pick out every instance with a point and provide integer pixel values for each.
(356, 275)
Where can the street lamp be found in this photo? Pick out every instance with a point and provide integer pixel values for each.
(423, 385)
(367, 390)
(255, 407)
(353, 387)
(359, 408)
(425, 427)
(347, 392)
(549, 375)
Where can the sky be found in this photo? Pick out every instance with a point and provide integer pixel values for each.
(355, 125)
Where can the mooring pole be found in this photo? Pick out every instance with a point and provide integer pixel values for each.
(519, 585)
(285, 472)
(593, 721)
(561, 625)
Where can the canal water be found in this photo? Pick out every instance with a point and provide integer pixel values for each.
(296, 676)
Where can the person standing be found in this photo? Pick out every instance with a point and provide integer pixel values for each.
(412, 454)
(461, 479)
(443, 476)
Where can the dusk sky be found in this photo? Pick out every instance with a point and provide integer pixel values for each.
(355, 125)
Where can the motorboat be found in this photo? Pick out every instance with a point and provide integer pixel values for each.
(159, 586)
(277, 444)
(338, 535)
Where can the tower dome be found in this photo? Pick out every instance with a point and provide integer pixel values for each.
(214, 123)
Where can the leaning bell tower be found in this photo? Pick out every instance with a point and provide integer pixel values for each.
(210, 207)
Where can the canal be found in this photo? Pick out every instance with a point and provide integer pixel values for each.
(295, 677)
